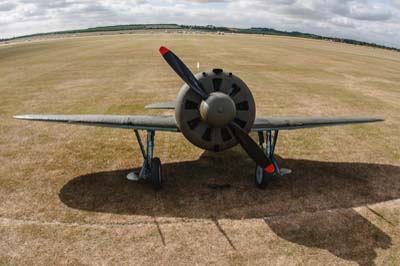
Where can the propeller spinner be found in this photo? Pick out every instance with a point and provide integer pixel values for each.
(215, 110)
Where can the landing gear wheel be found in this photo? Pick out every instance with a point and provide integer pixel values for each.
(156, 176)
(262, 178)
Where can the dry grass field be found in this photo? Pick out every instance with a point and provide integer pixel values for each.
(64, 198)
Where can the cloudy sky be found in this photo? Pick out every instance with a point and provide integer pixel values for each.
(367, 20)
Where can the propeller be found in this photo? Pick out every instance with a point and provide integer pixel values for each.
(183, 71)
(247, 143)
(252, 148)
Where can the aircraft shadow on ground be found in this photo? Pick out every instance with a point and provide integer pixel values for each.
(221, 187)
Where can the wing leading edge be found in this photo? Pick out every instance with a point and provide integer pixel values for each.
(288, 123)
(168, 123)
(166, 105)
(162, 123)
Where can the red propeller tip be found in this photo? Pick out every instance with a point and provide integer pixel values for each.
(163, 50)
(270, 169)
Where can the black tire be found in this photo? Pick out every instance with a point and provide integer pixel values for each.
(156, 174)
(261, 178)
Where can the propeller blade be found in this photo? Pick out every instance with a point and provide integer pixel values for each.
(183, 71)
(252, 148)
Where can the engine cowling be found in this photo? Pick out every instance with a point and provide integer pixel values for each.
(205, 122)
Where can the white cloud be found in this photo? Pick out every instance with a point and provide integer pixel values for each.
(342, 22)
(6, 6)
(369, 12)
(396, 3)
(367, 20)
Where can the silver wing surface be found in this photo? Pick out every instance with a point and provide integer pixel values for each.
(162, 123)
(168, 123)
(166, 105)
(288, 123)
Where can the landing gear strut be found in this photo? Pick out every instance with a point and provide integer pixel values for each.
(151, 166)
(262, 178)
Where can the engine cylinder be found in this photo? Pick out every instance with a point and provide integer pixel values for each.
(205, 122)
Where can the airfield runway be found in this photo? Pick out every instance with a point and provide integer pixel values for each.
(64, 198)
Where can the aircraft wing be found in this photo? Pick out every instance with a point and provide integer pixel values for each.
(288, 123)
(163, 123)
(168, 123)
(166, 105)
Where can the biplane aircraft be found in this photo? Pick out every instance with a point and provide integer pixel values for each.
(215, 111)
